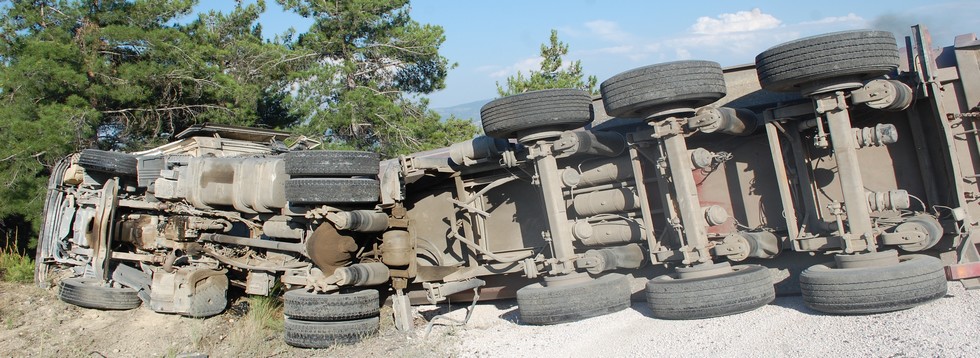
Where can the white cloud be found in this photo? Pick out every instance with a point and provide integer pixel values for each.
(850, 17)
(682, 54)
(729, 38)
(608, 30)
(525, 65)
(739, 45)
(742, 21)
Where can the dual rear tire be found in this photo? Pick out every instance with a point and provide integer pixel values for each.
(324, 320)
(333, 177)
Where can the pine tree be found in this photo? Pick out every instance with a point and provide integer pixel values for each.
(373, 63)
(120, 74)
(552, 74)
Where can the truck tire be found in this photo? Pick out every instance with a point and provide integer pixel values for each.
(552, 109)
(332, 191)
(915, 280)
(108, 162)
(543, 305)
(644, 90)
(744, 289)
(308, 334)
(308, 306)
(862, 54)
(339, 163)
(89, 293)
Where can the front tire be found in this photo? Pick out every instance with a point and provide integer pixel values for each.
(117, 163)
(90, 293)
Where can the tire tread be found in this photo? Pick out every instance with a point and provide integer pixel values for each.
(84, 292)
(747, 288)
(559, 109)
(862, 53)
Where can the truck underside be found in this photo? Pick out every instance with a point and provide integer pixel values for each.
(841, 157)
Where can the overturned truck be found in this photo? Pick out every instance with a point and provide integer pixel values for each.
(838, 166)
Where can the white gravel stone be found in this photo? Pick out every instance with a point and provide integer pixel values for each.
(946, 327)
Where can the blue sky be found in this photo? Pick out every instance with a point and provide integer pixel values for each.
(491, 40)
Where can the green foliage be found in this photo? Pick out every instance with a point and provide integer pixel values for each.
(14, 266)
(127, 74)
(553, 74)
(265, 312)
(373, 62)
(120, 75)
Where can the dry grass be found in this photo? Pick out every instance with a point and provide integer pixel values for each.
(258, 333)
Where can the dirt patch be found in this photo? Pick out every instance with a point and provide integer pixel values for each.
(35, 323)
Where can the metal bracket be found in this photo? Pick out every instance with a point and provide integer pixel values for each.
(874, 91)
(666, 128)
(831, 103)
(437, 292)
(901, 238)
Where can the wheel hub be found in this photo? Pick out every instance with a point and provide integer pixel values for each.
(870, 259)
(565, 280)
(532, 136)
(703, 270)
(660, 113)
(831, 85)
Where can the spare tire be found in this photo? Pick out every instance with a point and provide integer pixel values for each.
(309, 334)
(309, 306)
(108, 162)
(551, 109)
(860, 54)
(648, 89)
(331, 163)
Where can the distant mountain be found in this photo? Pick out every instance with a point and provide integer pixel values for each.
(469, 111)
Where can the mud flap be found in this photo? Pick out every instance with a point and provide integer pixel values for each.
(189, 291)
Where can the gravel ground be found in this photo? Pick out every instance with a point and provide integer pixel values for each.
(783, 328)
(33, 322)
